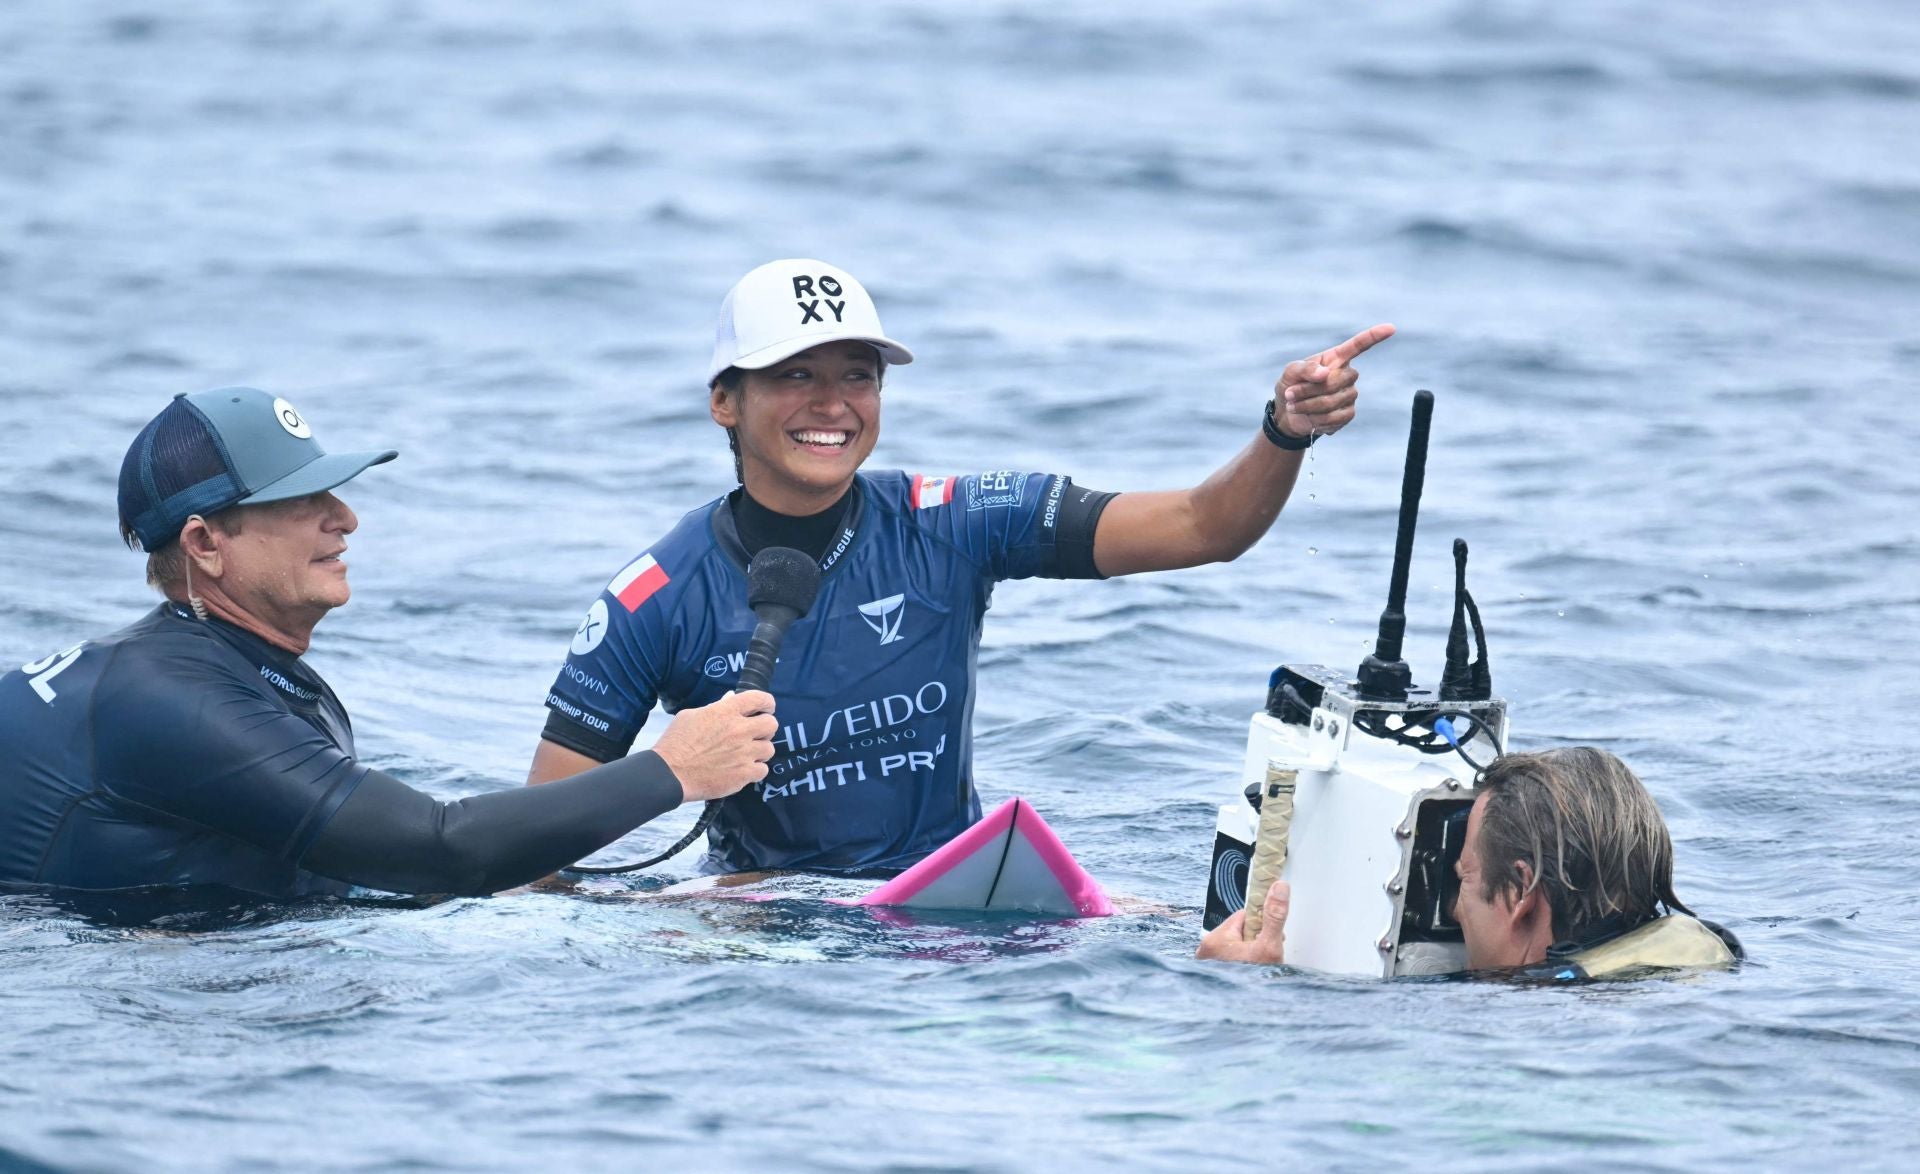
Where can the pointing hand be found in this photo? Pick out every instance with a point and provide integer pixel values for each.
(1315, 395)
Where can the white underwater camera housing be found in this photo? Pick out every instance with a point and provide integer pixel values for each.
(1380, 778)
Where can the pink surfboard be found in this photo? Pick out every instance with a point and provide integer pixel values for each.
(1010, 860)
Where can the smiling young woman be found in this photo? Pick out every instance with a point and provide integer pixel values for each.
(873, 766)
(801, 428)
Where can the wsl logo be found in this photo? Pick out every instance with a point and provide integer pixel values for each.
(718, 667)
(884, 616)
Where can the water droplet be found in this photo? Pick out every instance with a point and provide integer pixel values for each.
(1313, 497)
(1313, 550)
(1706, 576)
(1561, 614)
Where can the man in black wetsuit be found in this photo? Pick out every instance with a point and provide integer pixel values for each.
(1565, 869)
(195, 748)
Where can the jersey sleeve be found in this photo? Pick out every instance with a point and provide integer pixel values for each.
(614, 667)
(192, 742)
(1015, 525)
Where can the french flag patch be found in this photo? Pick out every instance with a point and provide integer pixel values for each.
(635, 585)
(931, 491)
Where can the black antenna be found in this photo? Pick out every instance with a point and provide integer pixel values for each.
(1464, 682)
(1456, 683)
(1384, 676)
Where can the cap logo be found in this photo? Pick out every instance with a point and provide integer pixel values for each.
(290, 419)
(809, 302)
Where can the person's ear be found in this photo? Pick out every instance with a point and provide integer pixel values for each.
(724, 406)
(1531, 914)
(201, 546)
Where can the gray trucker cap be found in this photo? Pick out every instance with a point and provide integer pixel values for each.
(214, 449)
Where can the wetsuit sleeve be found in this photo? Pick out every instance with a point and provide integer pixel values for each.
(611, 677)
(390, 836)
(1017, 525)
(194, 744)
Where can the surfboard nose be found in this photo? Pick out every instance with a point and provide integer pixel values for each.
(1011, 860)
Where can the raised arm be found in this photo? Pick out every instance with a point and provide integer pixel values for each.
(1219, 519)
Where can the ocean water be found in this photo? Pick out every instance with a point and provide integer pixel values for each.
(1660, 264)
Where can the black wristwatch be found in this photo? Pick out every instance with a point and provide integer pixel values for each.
(1280, 439)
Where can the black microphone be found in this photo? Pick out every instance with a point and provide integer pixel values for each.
(781, 586)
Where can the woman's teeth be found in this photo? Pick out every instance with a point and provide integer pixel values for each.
(829, 439)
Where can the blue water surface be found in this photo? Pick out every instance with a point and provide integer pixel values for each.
(1661, 263)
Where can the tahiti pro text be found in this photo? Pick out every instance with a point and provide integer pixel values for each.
(839, 774)
(877, 724)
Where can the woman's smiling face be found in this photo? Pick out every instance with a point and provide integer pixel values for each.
(804, 425)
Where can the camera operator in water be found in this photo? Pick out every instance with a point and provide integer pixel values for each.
(195, 748)
(1565, 868)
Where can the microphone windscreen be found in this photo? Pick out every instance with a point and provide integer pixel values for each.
(784, 576)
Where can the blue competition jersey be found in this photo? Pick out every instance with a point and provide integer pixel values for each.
(173, 752)
(873, 762)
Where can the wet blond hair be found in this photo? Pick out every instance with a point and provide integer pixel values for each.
(1588, 831)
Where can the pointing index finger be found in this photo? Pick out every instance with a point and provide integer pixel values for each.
(1358, 345)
